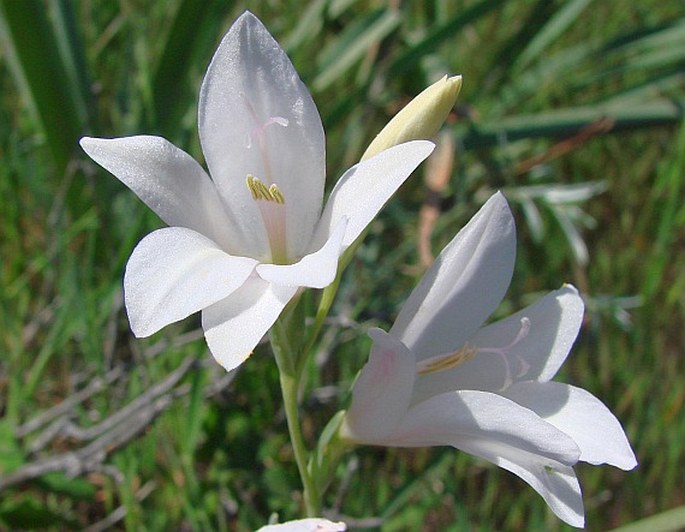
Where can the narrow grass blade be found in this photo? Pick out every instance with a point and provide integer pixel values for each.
(569, 121)
(74, 60)
(668, 521)
(337, 59)
(33, 53)
(442, 33)
(555, 27)
(190, 38)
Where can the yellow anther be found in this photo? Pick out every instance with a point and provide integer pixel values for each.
(260, 191)
(444, 362)
(275, 194)
(251, 186)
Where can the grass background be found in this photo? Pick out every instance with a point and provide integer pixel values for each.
(604, 212)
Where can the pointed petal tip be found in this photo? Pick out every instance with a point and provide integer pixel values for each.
(629, 463)
(247, 17)
(226, 358)
(234, 326)
(497, 207)
(429, 146)
(89, 143)
(139, 328)
(376, 333)
(498, 199)
(97, 147)
(228, 363)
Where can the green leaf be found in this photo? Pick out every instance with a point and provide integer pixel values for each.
(551, 31)
(442, 33)
(32, 50)
(668, 521)
(566, 122)
(190, 39)
(11, 455)
(352, 45)
(76, 488)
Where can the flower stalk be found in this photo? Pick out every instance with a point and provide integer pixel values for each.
(290, 365)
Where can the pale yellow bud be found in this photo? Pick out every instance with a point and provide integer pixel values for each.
(419, 119)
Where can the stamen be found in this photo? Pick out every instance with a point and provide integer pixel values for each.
(260, 191)
(504, 350)
(276, 195)
(271, 208)
(505, 354)
(467, 352)
(448, 361)
(258, 130)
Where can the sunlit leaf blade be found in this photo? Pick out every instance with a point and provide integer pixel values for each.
(351, 46)
(634, 59)
(562, 19)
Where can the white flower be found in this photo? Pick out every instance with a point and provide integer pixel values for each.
(243, 242)
(311, 524)
(438, 378)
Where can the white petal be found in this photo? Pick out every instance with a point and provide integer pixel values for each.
(582, 416)
(382, 392)
(510, 436)
(169, 181)
(235, 325)
(463, 286)
(553, 323)
(363, 190)
(311, 524)
(470, 418)
(556, 483)
(256, 117)
(174, 272)
(316, 270)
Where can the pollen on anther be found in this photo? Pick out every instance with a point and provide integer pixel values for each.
(260, 191)
(276, 195)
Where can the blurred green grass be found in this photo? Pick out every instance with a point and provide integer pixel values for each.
(607, 215)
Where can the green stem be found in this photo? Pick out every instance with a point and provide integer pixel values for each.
(328, 296)
(325, 305)
(290, 383)
(289, 387)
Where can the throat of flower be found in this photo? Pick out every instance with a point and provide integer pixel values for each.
(468, 351)
(271, 203)
(267, 194)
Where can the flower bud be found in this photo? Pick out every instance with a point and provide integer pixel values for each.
(419, 119)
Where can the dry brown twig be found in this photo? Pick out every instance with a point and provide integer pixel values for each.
(114, 431)
(438, 171)
(567, 145)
